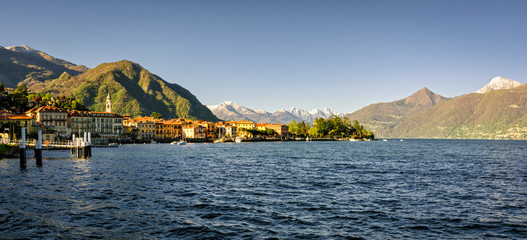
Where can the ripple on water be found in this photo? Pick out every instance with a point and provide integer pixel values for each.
(311, 190)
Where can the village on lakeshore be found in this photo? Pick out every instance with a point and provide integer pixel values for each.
(59, 124)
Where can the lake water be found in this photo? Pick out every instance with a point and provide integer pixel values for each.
(310, 190)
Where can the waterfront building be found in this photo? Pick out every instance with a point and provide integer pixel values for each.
(261, 126)
(107, 124)
(145, 126)
(194, 131)
(159, 124)
(243, 126)
(230, 131)
(80, 122)
(52, 118)
(100, 124)
(209, 128)
(10, 123)
(281, 129)
(219, 130)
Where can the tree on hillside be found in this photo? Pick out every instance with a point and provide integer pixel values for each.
(156, 115)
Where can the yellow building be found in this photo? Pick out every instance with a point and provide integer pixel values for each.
(194, 131)
(261, 126)
(146, 126)
(242, 127)
(171, 129)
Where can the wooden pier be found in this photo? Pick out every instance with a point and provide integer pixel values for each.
(79, 147)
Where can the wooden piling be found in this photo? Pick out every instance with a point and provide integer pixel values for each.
(22, 147)
(38, 149)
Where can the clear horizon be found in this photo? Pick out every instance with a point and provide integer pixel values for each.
(275, 55)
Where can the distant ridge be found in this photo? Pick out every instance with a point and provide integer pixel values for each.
(24, 64)
(496, 111)
(382, 117)
(491, 115)
(231, 111)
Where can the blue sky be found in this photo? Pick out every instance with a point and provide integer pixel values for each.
(272, 55)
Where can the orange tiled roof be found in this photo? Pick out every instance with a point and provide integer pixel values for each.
(49, 109)
(10, 116)
(247, 122)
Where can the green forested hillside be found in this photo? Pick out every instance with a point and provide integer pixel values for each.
(134, 91)
(500, 114)
(382, 117)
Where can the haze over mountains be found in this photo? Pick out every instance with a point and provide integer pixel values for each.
(231, 111)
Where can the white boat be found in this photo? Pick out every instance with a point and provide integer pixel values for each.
(385, 140)
(174, 142)
(239, 140)
(354, 140)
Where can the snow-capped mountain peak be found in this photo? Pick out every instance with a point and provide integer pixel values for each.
(325, 113)
(231, 111)
(499, 83)
(21, 48)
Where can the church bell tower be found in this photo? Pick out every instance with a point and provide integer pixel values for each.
(108, 103)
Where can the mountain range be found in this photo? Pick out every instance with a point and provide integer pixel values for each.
(231, 111)
(134, 90)
(24, 64)
(496, 111)
(380, 118)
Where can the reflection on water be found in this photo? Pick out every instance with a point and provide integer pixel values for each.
(411, 189)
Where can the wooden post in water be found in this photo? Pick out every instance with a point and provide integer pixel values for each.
(23, 149)
(78, 147)
(84, 140)
(89, 144)
(38, 149)
(72, 150)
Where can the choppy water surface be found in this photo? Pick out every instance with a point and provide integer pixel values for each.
(320, 190)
